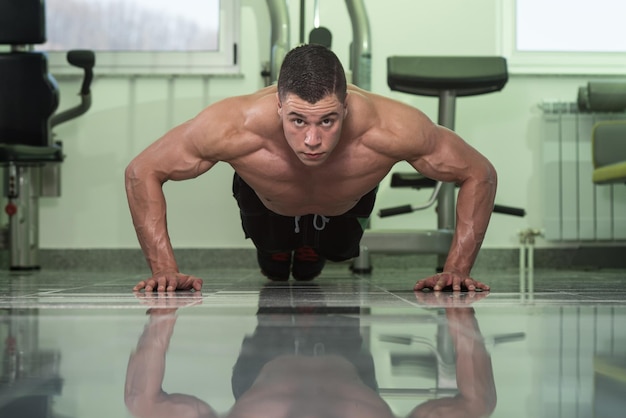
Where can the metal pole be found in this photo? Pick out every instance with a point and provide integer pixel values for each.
(279, 16)
(446, 210)
(361, 50)
(361, 66)
(522, 266)
(23, 193)
(302, 19)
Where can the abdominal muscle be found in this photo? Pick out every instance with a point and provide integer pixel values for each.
(321, 191)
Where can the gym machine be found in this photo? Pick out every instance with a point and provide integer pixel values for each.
(446, 78)
(30, 97)
(360, 49)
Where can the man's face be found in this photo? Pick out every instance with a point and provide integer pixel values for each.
(312, 130)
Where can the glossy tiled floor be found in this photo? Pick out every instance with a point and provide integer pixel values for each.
(81, 344)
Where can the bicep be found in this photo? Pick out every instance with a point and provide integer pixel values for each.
(433, 150)
(445, 156)
(177, 155)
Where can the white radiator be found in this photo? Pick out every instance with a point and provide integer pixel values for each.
(574, 208)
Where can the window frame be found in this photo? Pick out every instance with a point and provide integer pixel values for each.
(550, 62)
(224, 61)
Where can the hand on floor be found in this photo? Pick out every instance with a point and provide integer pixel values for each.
(454, 281)
(169, 282)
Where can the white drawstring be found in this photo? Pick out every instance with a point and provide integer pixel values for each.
(325, 220)
(316, 225)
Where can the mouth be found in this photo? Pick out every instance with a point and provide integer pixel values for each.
(313, 155)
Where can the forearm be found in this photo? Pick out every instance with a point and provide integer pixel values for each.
(474, 372)
(476, 389)
(148, 210)
(473, 212)
(143, 394)
(146, 366)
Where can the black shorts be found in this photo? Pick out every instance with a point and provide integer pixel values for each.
(336, 238)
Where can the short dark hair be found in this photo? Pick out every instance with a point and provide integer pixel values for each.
(312, 72)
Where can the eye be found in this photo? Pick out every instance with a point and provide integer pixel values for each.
(327, 122)
(298, 122)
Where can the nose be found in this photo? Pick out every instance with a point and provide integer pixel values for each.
(313, 138)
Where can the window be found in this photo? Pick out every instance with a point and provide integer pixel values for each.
(146, 36)
(564, 36)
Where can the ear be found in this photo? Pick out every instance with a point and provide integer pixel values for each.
(280, 105)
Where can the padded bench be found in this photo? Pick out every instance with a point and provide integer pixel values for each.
(608, 143)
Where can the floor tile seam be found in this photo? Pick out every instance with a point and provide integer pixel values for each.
(385, 291)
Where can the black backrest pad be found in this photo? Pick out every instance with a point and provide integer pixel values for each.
(428, 76)
(22, 22)
(28, 97)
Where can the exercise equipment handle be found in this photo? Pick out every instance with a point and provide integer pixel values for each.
(398, 210)
(508, 210)
(86, 60)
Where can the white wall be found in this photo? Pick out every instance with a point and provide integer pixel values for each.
(130, 113)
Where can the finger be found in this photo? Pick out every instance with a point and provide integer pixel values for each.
(197, 284)
(469, 284)
(419, 285)
(172, 283)
(424, 284)
(139, 286)
(162, 283)
(184, 283)
(150, 284)
(482, 286)
(443, 281)
(189, 283)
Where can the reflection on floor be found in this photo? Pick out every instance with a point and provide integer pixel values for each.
(81, 344)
